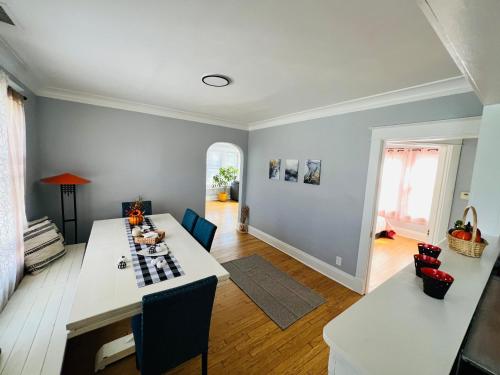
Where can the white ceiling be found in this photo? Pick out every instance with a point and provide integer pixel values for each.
(471, 32)
(284, 56)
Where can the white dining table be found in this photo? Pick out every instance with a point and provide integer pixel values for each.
(106, 294)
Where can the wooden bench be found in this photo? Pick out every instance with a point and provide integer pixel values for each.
(33, 323)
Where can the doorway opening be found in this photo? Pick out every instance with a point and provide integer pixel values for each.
(414, 200)
(223, 185)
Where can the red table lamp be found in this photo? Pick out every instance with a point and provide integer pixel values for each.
(68, 183)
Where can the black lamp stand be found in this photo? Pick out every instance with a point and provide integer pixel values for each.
(68, 190)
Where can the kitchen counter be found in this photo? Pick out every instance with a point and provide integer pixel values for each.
(398, 329)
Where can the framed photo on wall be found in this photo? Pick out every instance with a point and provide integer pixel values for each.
(291, 170)
(274, 169)
(312, 173)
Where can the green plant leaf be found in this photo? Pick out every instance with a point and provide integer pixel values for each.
(225, 176)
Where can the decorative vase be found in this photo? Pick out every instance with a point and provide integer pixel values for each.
(222, 196)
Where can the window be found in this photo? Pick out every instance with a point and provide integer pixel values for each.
(221, 155)
(407, 184)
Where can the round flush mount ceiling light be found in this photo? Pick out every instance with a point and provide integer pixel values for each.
(216, 80)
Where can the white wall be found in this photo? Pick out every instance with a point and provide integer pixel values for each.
(485, 187)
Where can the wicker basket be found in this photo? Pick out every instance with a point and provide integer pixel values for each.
(150, 241)
(470, 248)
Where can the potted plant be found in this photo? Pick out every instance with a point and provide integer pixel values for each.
(222, 181)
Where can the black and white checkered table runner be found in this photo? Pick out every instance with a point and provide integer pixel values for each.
(145, 272)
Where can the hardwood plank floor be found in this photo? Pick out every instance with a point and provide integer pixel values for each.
(389, 257)
(222, 214)
(243, 340)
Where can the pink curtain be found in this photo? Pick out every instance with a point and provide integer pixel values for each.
(407, 184)
(12, 180)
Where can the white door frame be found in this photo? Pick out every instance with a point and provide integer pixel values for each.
(442, 198)
(463, 128)
(444, 186)
(241, 175)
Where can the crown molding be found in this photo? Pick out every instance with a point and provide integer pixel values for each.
(104, 101)
(445, 87)
(450, 47)
(15, 65)
(16, 68)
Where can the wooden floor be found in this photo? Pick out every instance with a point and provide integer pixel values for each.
(222, 214)
(243, 340)
(389, 257)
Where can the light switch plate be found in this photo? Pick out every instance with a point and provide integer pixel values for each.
(464, 195)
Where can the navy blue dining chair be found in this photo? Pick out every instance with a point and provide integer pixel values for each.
(189, 220)
(174, 326)
(146, 206)
(204, 232)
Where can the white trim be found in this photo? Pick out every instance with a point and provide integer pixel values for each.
(316, 264)
(457, 128)
(450, 47)
(241, 177)
(443, 192)
(11, 61)
(434, 130)
(104, 101)
(409, 233)
(16, 67)
(14, 64)
(449, 86)
(14, 85)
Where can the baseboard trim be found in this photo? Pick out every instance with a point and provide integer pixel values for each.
(409, 233)
(316, 264)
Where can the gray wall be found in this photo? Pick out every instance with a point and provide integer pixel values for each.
(125, 154)
(33, 203)
(32, 151)
(464, 178)
(325, 220)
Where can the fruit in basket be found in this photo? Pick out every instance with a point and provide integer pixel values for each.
(459, 224)
(462, 234)
(466, 234)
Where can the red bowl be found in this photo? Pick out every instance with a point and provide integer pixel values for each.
(428, 249)
(436, 283)
(422, 260)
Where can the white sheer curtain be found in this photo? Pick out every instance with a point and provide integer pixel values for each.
(407, 184)
(12, 180)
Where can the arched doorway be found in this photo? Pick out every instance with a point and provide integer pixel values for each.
(223, 175)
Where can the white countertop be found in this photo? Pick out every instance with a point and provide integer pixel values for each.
(106, 294)
(398, 329)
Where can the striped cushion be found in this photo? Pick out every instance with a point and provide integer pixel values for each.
(43, 244)
(37, 221)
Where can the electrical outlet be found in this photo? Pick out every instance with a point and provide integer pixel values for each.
(338, 261)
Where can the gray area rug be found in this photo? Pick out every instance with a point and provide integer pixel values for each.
(282, 298)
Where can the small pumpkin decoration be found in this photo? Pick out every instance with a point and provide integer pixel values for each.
(465, 234)
(136, 213)
(135, 217)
